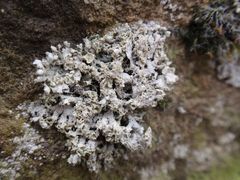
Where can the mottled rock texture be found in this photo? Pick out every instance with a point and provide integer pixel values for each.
(211, 108)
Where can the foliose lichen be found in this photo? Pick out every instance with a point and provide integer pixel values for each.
(95, 92)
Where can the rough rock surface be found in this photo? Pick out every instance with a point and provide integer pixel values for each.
(202, 109)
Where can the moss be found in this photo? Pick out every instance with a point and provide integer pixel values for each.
(163, 104)
(174, 51)
(214, 27)
(161, 176)
(229, 170)
(234, 116)
(15, 77)
(199, 138)
(59, 169)
(53, 170)
(9, 128)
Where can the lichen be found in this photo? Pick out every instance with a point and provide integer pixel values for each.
(95, 92)
(26, 145)
(229, 71)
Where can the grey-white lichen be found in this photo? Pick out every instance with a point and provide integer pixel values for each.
(26, 145)
(229, 69)
(95, 92)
